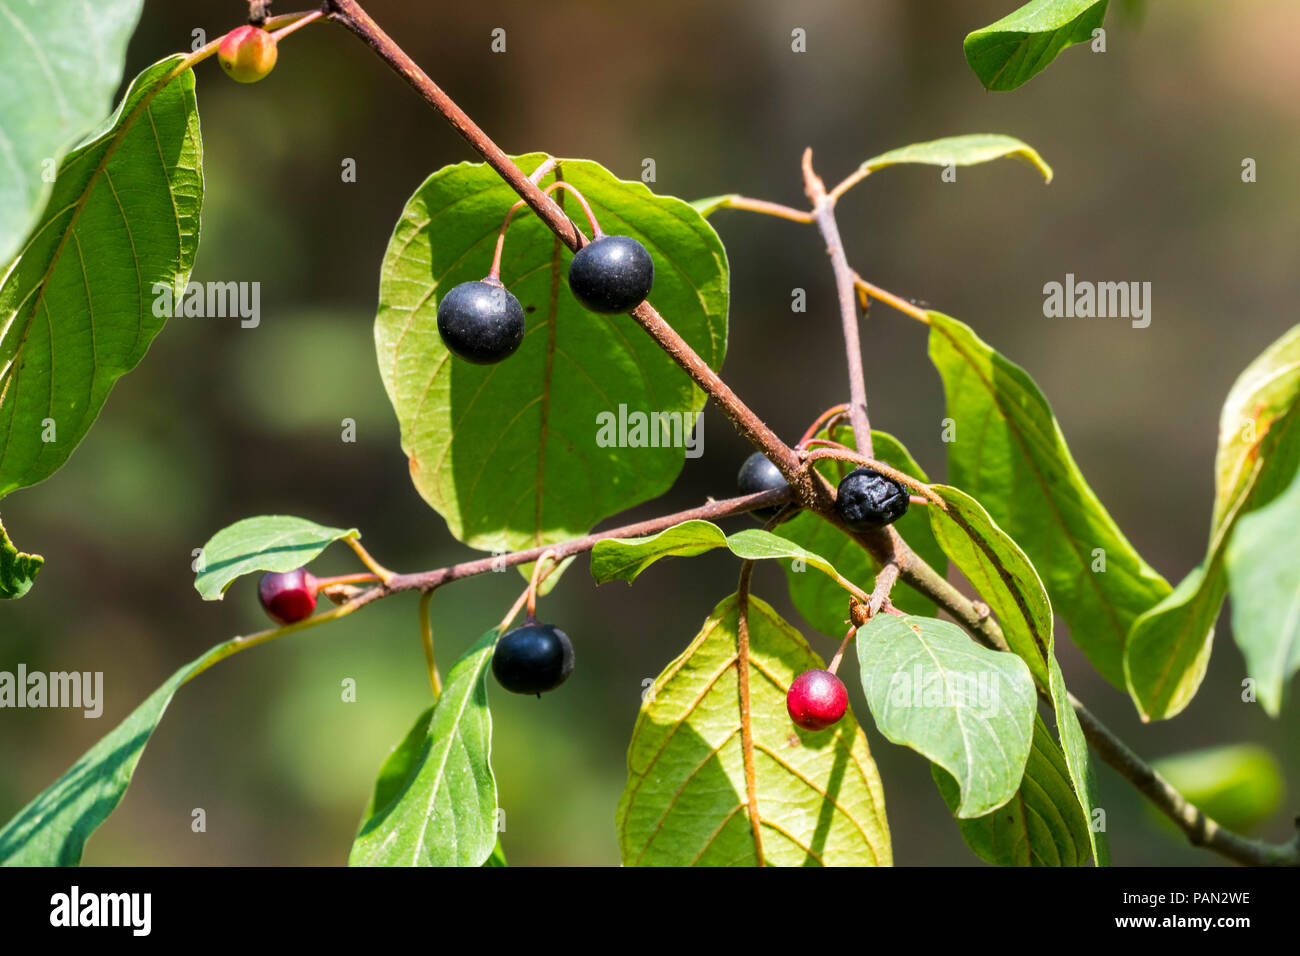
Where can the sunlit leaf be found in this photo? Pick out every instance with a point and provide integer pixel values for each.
(686, 802)
(443, 810)
(571, 428)
(1021, 45)
(264, 543)
(77, 308)
(1169, 647)
(964, 707)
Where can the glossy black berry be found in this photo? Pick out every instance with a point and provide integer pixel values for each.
(288, 596)
(481, 322)
(533, 659)
(758, 474)
(867, 499)
(611, 274)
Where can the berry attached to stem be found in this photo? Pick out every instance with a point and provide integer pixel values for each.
(758, 474)
(816, 700)
(288, 596)
(533, 659)
(247, 54)
(481, 322)
(611, 274)
(867, 500)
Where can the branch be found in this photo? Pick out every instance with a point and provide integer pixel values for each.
(824, 213)
(1200, 830)
(808, 487)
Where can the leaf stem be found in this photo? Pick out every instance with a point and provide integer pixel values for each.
(376, 568)
(834, 665)
(898, 302)
(766, 208)
(746, 716)
(426, 638)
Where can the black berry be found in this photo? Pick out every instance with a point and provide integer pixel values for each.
(758, 474)
(611, 274)
(481, 322)
(816, 700)
(533, 659)
(288, 596)
(867, 499)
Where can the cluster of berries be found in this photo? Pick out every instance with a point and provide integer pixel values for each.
(482, 323)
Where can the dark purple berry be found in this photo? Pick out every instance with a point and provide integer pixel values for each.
(816, 700)
(481, 322)
(867, 500)
(288, 596)
(533, 659)
(758, 474)
(611, 274)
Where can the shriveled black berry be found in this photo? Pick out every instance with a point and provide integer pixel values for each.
(481, 322)
(611, 274)
(867, 499)
(758, 474)
(533, 659)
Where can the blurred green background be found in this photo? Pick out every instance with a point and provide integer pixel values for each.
(220, 422)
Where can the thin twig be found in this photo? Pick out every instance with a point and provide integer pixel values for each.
(426, 638)
(824, 213)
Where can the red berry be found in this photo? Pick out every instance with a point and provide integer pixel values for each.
(288, 596)
(816, 700)
(247, 53)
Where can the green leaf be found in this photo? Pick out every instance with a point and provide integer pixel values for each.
(1012, 51)
(966, 708)
(62, 61)
(686, 802)
(1010, 455)
(967, 150)
(625, 558)
(1007, 581)
(77, 306)
(17, 569)
(443, 813)
(1264, 578)
(1042, 825)
(1169, 647)
(529, 451)
(52, 830)
(1000, 572)
(265, 543)
(819, 599)
(398, 766)
(498, 857)
(1237, 786)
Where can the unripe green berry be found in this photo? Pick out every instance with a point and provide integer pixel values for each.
(247, 53)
